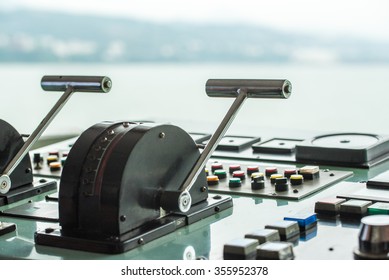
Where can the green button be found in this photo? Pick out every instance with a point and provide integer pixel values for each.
(378, 208)
(235, 183)
(221, 173)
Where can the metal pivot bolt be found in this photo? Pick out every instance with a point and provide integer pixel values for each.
(240, 90)
(5, 184)
(184, 201)
(181, 201)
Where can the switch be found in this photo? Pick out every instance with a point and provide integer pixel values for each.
(220, 173)
(252, 169)
(216, 166)
(310, 172)
(212, 180)
(296, 179)
(275, 176)
(55, 166)
(257, 183)
(37, 160)
(239, 174)
(354, 208)
(257, 176)
(330, 206)
(234, 167)
(305, 221)
(289, 172)
(264, 235)
(54, 153)
(281, 184)
(275, 251)
(378, 208)
(270, 170)
(240, 249)
(235, 183)
(286, 229)
(51, 158)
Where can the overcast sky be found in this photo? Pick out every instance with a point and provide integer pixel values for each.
(362, 18)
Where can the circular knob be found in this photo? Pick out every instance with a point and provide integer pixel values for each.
(373, 238)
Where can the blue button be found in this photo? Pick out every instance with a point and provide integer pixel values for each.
(303, 219)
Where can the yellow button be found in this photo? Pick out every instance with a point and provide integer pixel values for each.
(273, 177)
(212, 180)
(296, 179)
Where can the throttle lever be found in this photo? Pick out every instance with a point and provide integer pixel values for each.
(68, 84)
(241, 89)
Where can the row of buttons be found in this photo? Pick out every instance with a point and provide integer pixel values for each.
(350, 208)
(302, 181)
(272, 242)
(54, 160)
(280, 181)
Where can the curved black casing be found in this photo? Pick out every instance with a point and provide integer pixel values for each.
(10, 143)
(114, 175)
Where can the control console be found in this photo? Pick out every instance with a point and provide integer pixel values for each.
(149, 190)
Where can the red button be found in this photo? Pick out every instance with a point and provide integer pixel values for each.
(239, 174)
(216, 166)
(252, 169)
(289, 172)
(234, 167)
(270, 170)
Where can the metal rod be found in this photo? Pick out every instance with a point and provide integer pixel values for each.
(214, 140)
(38, 132)
(101, 84)
(256, 88)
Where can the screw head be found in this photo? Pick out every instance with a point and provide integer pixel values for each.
(287, 87)
(108, 84)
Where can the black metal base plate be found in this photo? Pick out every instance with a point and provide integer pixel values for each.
(137, 237)
(38, 187)
(43, 210)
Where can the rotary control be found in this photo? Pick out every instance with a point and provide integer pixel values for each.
(373, 238)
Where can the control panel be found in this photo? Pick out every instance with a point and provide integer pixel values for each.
(146, 190)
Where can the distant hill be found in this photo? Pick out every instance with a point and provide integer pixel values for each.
(32, 36)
